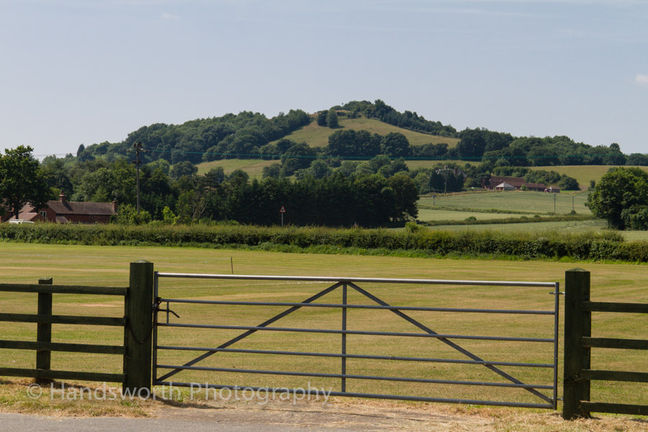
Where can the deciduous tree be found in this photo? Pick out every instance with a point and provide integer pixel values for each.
(21, 180)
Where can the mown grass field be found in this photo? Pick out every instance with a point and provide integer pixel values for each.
(485, 206)
(583, 173)
(523, 202)
(254, 167)
(317, 136)
(109, 266)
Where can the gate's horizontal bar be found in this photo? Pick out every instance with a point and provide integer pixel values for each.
(360, 377)
(616, 307)
(55, 374)
(615, 343)
(313, 392)
(356, 332)
(605, 375)
(354, 306)
(63, 289)
(67, 347)
(63, 319)
(356, 279)
(356, 356)
(615, 408)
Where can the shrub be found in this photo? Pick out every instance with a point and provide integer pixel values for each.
(422, 242)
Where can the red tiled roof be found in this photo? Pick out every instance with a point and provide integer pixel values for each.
(535, 185)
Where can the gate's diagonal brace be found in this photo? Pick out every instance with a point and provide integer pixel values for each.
(249, 332)
(448, 342)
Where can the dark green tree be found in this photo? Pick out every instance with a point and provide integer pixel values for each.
(184, 168)
(21, 180)
(332, 119)
(618, 191)
(321, 118)
(395, 144)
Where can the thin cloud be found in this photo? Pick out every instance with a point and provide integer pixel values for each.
(642, 80)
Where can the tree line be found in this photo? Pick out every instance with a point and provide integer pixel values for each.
(178, 194)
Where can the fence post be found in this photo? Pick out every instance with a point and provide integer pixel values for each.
(578, 323)
(138, 311)
(44, 332)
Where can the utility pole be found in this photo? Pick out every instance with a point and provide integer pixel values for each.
(138, 149)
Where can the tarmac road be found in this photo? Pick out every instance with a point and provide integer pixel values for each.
(23, 422)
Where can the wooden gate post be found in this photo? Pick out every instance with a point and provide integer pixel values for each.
(578, 323)
(44, 332)
(138, 307)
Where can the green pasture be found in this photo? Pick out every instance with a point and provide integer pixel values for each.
(583, 173)
(92, 265)
(317, 136)
(430, 215)
(524, 202)
(254, 167)
(559, 226)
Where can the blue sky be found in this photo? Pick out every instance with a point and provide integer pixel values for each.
(87, 71)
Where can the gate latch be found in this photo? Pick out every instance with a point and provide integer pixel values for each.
(156, 308)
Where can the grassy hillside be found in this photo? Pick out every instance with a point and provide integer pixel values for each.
(582, 173)
(254, 167)
(317, 136)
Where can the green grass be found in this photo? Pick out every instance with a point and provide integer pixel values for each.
(254, 167)
(582, 173)
(428, 215)
(572, 227)
(516, 201)
(317, 136)
(109, 266)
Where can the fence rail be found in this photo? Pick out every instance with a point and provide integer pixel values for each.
(135, 359)
(162, 372)
(578, 345)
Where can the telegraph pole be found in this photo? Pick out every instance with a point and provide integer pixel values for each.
(138, 149)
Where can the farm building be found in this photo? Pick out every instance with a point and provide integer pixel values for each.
(517, 183)
(504, 186)
(64, 211)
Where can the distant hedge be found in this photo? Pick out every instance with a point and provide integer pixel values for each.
(423, 242)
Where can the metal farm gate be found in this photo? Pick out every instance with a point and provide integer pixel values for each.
(424, 331)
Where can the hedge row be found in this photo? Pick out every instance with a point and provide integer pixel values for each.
(586, 246)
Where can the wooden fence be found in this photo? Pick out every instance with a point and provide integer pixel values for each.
(136, 322)
(579, 342)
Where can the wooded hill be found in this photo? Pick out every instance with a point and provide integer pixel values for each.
(356, 130)
(250, 135)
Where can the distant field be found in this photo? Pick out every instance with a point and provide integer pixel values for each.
(317, 136)
(427, 215)
(562, 226)
(567, 227)
(583, 173)
(517, 201)
(254, 167)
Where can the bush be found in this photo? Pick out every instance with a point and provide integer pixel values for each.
(423, 242)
